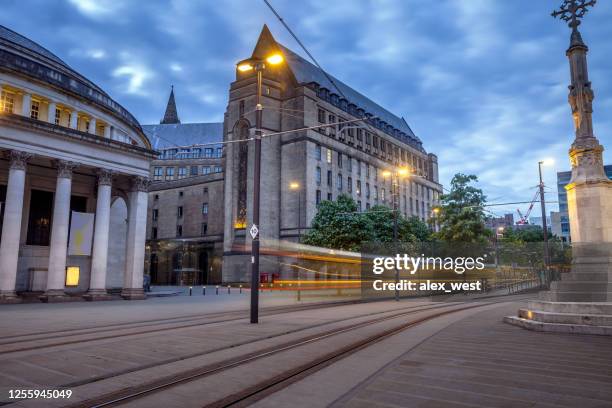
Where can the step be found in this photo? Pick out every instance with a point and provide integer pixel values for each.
(602, 277)
(558, 327)
(566, 318)
(580, 286)
(602, 308)
(575, 296)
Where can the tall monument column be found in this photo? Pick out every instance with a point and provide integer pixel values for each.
(581, 302)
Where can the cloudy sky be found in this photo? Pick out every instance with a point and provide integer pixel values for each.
(482, 82)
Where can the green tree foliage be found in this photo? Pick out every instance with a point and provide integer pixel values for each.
(462, 211)
(338, 225)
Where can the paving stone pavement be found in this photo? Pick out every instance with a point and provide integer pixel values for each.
(481, 362)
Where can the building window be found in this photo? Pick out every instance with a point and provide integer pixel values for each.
(180, 194)
(179, 231)
(329, 156)
(339, 182)
(208, 152)
(358, 164)
(367, 206)
(179, 211)
(375, 169)
(339, 160)
(382, 194)
(367, 170)
(241, 108)
(58, 116)
(318, 152)
(349, 163)
(204, 208)
(219, 152)
(367, 190)
(318, 176)
(39, 220)
(332, 129)
(349, 184)
(318, 197)
(218, 169)
(182, 172)
(321, 116)
(169, 173)
(193, 171)
(34, 110)
(156, 197)
(155, 214)
(358, 188)
(205, 170)
(205, 191)
(329, 178)
(359, 205)
(7, 102)
(329, 197)
(204, 229)
(154, 233)
(157, 173)
(376, 193)
(368, 139)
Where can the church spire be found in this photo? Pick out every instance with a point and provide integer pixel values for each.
(171, 116)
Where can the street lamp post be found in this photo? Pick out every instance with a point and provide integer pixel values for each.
(395, 175)
(259, 66)
(543, 207)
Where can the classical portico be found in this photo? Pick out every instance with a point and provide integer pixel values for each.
(73, 162)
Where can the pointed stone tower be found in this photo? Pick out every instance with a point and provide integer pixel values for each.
(581, 302)
(171, 116)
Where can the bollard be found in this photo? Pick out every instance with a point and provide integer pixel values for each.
(190, 289)
(228, 289)
(217, 289)
(240, 289)
(203, 290)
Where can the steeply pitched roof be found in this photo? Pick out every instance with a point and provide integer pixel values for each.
(183, 134)
(306, 73)
(171, 115)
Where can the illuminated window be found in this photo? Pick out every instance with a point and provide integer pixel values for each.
(34, 109)
(58, 116)
(205, 208)
(358, 188)
(179, 212)
(329, 156)
(72, 275)
(7, 101)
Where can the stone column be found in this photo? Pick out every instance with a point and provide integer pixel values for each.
(74, 116)
(11, 230)
(92, 126)
(26, 105)
(51, 112)
(136, 235)
(56, 275)
(107, 131)
(97, 286)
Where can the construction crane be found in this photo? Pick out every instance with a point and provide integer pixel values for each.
(524, 219)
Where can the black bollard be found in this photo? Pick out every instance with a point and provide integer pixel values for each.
(241, 289)
(203, 290)
(228, 289)
(190, 288)
(217, 289)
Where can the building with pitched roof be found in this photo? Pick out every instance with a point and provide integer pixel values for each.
(199, 218)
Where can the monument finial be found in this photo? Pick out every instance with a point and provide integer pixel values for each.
(572, 11)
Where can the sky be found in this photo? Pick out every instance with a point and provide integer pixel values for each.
(483, 83)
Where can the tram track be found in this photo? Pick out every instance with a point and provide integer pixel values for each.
(261, 389)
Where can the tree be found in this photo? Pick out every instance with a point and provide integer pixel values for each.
(338, 225)
(462, 211)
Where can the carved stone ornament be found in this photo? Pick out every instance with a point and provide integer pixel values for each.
(140, 183)
(64, 168)
(19, 159)
(105, 177)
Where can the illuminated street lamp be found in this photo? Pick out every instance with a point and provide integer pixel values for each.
(547, 162)
(259, 65)
(295, 186)
(395, 176)
(436, 213)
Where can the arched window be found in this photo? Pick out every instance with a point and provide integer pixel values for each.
(243, 155)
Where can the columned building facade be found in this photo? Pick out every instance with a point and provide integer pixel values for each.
(73, 182)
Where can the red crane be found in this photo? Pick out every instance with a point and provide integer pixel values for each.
(524, 219)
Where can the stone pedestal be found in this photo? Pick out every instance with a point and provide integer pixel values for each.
(97, 294)
(133, 294)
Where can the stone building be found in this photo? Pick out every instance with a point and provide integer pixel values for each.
(201, 194)
(323, 163)
(69, 153)
(185, 217)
